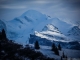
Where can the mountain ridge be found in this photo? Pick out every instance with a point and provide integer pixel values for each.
(21, 27)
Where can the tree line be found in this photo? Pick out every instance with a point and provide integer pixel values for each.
(54, 48)
(9, 50)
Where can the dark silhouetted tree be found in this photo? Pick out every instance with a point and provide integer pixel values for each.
(36, 45)
(53, 47)
(66, 57)
(59, 47)
(0, 35)
(3, 34)
(63, 55)
(61, 58)
(56, 51)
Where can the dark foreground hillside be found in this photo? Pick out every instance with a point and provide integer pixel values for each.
(10, 50)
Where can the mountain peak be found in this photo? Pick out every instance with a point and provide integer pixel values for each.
(76, 27)
(31, 12)
(50, 27)
(74, 31)
(34, 15)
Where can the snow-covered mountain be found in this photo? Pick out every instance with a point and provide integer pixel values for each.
(34, 22)
(74, 33)
(64, 27)
(50, 27)
(21, 27)
(52, 33)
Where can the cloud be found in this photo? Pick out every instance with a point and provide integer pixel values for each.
(12, 7)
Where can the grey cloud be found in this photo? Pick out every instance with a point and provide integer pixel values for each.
(73, 4)
(67, 10)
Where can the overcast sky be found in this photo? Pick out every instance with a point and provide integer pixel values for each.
(66, 10)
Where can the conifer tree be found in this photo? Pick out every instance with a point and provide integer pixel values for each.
(59, 47)
(53, 47)
(3, 34)
(61, 58)
(0, 35)
(63, 55)
(66, 57)
(56, 51)
(36, 45)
